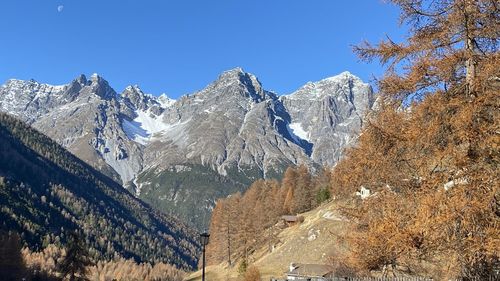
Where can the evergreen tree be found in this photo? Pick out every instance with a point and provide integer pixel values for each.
(12, 265)
(322, 186)
(323, 195)
(77, 258)
(242, 267)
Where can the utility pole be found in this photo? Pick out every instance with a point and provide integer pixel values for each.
(204, 237)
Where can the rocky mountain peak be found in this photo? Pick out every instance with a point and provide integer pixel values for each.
(327, 112)
(81, 79)
(13, 83)
(237, 81)
(239, 75)
(165, 101)
(95, 76)
(100, 87)
(343, 84)
(234, 73)
(135, 98)
(76, 85)
(132, 91)
(342, 78)
(134, 88)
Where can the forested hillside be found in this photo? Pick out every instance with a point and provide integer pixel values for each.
(46, 192)
(243, 223)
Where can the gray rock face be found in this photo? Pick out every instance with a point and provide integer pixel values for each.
(329, 114)
(233, 122)
(179, 155)
(83, 116)
(28, 100)
(133, 99)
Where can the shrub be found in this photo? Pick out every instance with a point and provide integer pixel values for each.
(252, 274)
(323, 195)
(242, 267)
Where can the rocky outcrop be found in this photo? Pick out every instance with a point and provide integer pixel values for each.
(84, 116)
(329, 114)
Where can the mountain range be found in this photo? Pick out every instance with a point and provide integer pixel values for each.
(181, 155)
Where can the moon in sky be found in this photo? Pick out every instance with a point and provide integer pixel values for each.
(60, 8)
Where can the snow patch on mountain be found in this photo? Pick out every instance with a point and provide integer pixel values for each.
(151, 123)
(139, 186)
(341, 77)
(145, 126)
(165, 101)
(135, 132)
(296, 131)
(336, 85)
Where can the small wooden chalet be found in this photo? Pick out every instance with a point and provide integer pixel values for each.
(309, 272)
(289, 220)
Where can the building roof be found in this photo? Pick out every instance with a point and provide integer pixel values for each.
(289, 218)
(311, 270)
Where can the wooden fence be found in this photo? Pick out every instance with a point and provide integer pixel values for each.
(491, 278)
(380, 279)
(362, 279)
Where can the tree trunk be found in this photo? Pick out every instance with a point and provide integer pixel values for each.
(470, 48)
(228, 242)
(470, 67)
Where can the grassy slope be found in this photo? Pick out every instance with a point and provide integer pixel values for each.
(295, 246)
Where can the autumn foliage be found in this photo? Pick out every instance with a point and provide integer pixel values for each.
(429, 154)
(435, 171)
(252, 274)
(450, 43)
(433, 163)
(47, 261)
(242, 224)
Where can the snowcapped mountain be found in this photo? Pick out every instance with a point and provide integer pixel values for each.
(85, 116)
(181, 155)
(233, 122)
(329, 114)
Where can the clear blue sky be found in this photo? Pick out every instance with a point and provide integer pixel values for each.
(179, 46)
